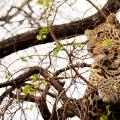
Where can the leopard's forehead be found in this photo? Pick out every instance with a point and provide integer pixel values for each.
(109, 28)
(105, 28)
(104, 31)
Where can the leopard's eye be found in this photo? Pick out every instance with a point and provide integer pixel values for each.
(100, 34)
(91, 49)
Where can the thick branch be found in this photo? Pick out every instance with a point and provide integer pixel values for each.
(28, 39)
(21, 79)
(27, 98)
(8, 91)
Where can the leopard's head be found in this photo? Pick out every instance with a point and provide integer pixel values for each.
(104, 40)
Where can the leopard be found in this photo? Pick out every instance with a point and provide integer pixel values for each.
(103, 47)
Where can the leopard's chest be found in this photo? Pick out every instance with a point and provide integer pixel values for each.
(107, 82)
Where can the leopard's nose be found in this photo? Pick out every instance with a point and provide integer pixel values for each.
(90, 50)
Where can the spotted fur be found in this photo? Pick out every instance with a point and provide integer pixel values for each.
(105, 71)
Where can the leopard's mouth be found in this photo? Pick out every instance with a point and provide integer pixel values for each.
(103, 53)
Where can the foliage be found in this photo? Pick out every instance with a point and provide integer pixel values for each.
(28, 90)
(47, 2)
(30, 107)
(31, 89)
(44, 82)
(106, 42)
(42, 34)
(78, 44)
(59, 48)
(105, 116)
(35, 77)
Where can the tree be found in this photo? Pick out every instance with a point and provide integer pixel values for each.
(35, 83)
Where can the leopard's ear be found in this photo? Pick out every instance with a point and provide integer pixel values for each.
(111, 19)
(88, 33)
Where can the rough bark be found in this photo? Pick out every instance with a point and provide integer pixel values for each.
(28, 39)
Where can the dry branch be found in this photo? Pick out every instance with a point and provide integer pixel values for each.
(69, 30)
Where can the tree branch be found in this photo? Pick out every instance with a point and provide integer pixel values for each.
(28, 39)
(20, 79)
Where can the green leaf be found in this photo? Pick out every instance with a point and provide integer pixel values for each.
(42, 34)
(7, 75)
(60, 47)
(30, 107)
(24, 59)
(44, 37)
(65, 74)
(40, 2)
(55, 53)
(32, 92)
(36, 85)
(26, 89)
(44, 30)
(108, 110)
(94, 18)
(44, 82)
(103, 117)
(35, 77)
(78, 44)
(47, 2)
(39, 37)
(70, 65)
(106, 42)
